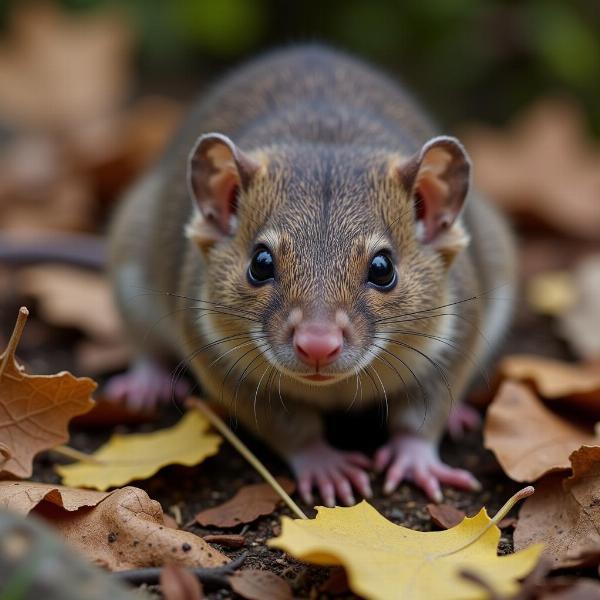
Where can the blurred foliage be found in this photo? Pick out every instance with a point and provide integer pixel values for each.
(467, 59)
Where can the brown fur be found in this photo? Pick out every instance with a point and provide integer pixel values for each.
(333, 139)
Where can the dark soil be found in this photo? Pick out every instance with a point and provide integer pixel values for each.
(191, 489)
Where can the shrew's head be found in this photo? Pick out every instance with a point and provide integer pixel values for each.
(315, 253)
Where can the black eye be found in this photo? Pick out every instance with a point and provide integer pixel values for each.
(262, 266)
(381, 272)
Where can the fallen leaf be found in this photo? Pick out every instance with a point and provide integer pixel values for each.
(250, 502)
(177, 583)
(24, 496)
(229, 540)
(445, 516)
(35, 410)
(572, 384)
(139, 456)
(336, 583)
(256, 584)
(386, 561)
(542, 166)
(45, 75)
(97, 357)
(580, 324)
(73, 297)
(126, 530)
(564, 514)
(527, 438)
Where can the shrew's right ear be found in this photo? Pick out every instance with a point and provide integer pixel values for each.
(217, 171)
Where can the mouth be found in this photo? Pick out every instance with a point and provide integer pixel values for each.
(318, 377)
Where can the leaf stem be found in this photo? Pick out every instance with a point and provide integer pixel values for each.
(15, 338)
(497, 518)
(524, 493)
(235, 441)
(76, 455)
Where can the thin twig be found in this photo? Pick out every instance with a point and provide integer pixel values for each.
(215, 576)
(235, 441)
(15, 338)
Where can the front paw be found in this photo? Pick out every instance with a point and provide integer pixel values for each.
(408, 456)
(332, 472)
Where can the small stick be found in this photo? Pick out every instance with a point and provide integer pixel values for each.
(216, 576)
(76, 455)
(15, 338)
(235, 441)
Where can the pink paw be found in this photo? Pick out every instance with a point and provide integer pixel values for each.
(463, 418)
(334, 473)
(144, 386)
(411, 457)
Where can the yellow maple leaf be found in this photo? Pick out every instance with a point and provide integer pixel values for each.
(385, 561)
(139, 456)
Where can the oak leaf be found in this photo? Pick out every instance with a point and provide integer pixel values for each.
(35, 410)
(249, 503)
(386, 561)
(126, 530)
(125, 458)
(527, 438)
(565, 513)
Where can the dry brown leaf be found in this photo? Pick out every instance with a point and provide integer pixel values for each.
(57, 70)
(564, 513)
(543, 166)
(177, 583)
(580, 324)
(445, 516)
(255, 584)
(25, 496)
(527, 438)
(126, 531)
(35, 410)
(250, 502)
(573, 385)
(73, 297)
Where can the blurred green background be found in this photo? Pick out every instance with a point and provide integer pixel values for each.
(465, 59)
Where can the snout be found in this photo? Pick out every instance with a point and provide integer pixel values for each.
(318, 344)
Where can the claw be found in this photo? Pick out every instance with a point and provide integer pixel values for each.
(463, 418)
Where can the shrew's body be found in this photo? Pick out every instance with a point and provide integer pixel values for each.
(314, 253)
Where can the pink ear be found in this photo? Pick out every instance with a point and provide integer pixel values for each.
(217, 170)
(440, 175)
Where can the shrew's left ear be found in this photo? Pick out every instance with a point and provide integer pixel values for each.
(438, 177)
(217, 171)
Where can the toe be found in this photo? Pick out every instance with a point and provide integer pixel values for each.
(360, 480)
(343, 489)
(359, 459)
(395, 475)
(429, 483)
(383, 456)
(305, 484)
(458, 478)
(326, 489)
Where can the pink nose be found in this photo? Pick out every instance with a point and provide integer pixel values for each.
(318, 344)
